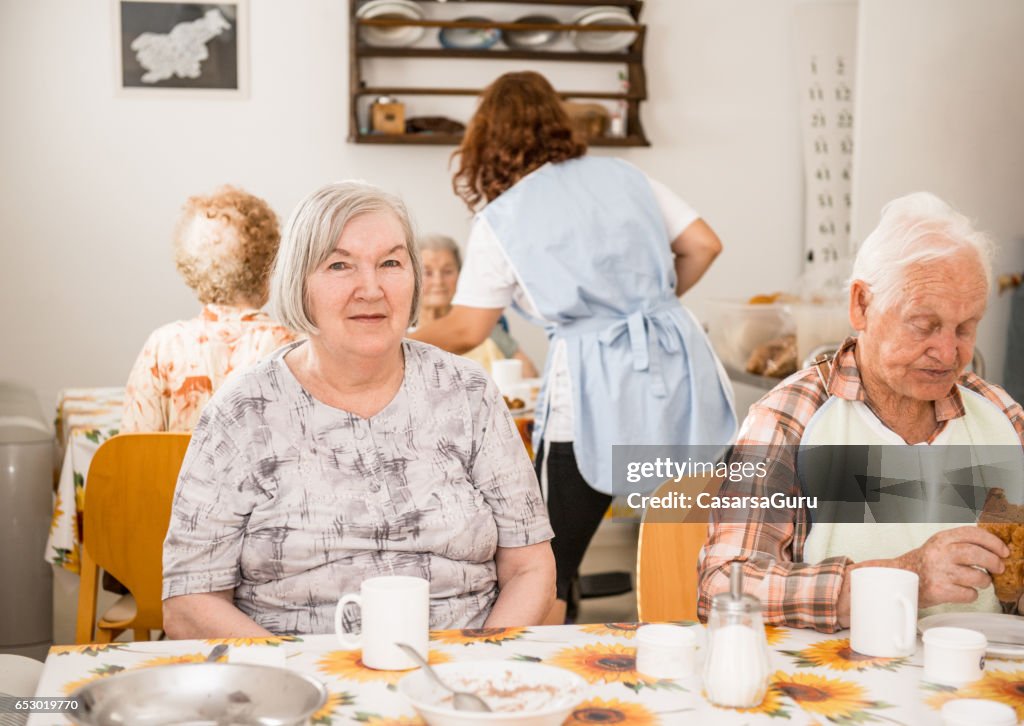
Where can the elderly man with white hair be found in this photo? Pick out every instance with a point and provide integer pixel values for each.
(919, 288)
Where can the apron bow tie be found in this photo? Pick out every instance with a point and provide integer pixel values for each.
(649, 338)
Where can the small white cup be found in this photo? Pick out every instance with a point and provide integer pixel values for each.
(883, 612)
(977, 712)
(395, 609)
(953, 656)
(666, 651)
(508, 374)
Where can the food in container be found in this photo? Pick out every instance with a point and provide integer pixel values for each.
(775, 358)
(737, 328)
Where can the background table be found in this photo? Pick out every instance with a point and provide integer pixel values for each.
(816, 679)
(86, 417)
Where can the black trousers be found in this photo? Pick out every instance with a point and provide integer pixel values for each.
(574, 508)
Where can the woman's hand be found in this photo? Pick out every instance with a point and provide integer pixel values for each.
(208, 615)
(526, 586)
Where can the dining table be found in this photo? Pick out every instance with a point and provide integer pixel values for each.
(86, 417)
(815, 678)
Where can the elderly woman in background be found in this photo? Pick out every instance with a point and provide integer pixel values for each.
(224, 247)
(442, 263)
(353, 454)
(597, 253)
(918, 291)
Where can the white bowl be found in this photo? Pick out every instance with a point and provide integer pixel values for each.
(545, 695)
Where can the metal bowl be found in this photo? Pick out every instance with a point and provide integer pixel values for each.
(200, 694)
(532, 39)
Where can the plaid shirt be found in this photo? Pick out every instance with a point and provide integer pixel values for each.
(792, 592)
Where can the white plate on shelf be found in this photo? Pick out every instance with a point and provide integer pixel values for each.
(1005, 633)
(396, 36)
(610, 42)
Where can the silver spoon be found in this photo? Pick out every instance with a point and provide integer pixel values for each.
(217, 652)
(461, 700)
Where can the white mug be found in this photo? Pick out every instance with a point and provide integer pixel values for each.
(508, 374)
(394, 609)
(883, 612)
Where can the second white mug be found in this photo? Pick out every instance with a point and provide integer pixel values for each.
(883, 612)
(508, 374)
(394, 609)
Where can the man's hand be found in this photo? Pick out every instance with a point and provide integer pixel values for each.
(948, 565)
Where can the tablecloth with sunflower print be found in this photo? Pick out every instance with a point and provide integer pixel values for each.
(86, 417)
(816, 679)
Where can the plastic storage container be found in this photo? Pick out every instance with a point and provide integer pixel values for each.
(736, 328)
(820, 324)
(26, 507)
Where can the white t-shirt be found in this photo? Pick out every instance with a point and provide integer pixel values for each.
(488, 280)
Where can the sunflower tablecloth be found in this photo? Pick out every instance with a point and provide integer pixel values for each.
(816, 678)
(86, 417)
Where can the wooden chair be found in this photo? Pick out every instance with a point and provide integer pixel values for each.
(666, 559)
(128, 497)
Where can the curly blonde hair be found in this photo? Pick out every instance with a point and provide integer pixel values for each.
(233, 264)
(519, 126)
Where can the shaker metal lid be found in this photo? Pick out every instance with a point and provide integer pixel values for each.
(724, 602)
(733, 600)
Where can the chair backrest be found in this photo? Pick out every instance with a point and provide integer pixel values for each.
(128, 497)
(666, 559)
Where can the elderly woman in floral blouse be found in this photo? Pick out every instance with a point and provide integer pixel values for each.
(352, 454)
(224, 246)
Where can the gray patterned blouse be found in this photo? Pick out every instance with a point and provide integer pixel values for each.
(292, 503)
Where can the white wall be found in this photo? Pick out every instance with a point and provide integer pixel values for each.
(940, 107)
(91, 184)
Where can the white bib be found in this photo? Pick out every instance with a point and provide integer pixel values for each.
(851, 422)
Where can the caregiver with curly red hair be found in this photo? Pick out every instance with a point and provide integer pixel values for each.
(597, 253)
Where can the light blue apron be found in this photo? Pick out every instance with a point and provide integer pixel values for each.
(589, 246)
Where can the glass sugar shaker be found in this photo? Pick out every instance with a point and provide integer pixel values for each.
(736, 670)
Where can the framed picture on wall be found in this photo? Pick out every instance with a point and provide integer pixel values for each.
(172, 48)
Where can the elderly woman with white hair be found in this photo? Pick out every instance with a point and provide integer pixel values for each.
(442, 263)
(352, 454)
(918, 291)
